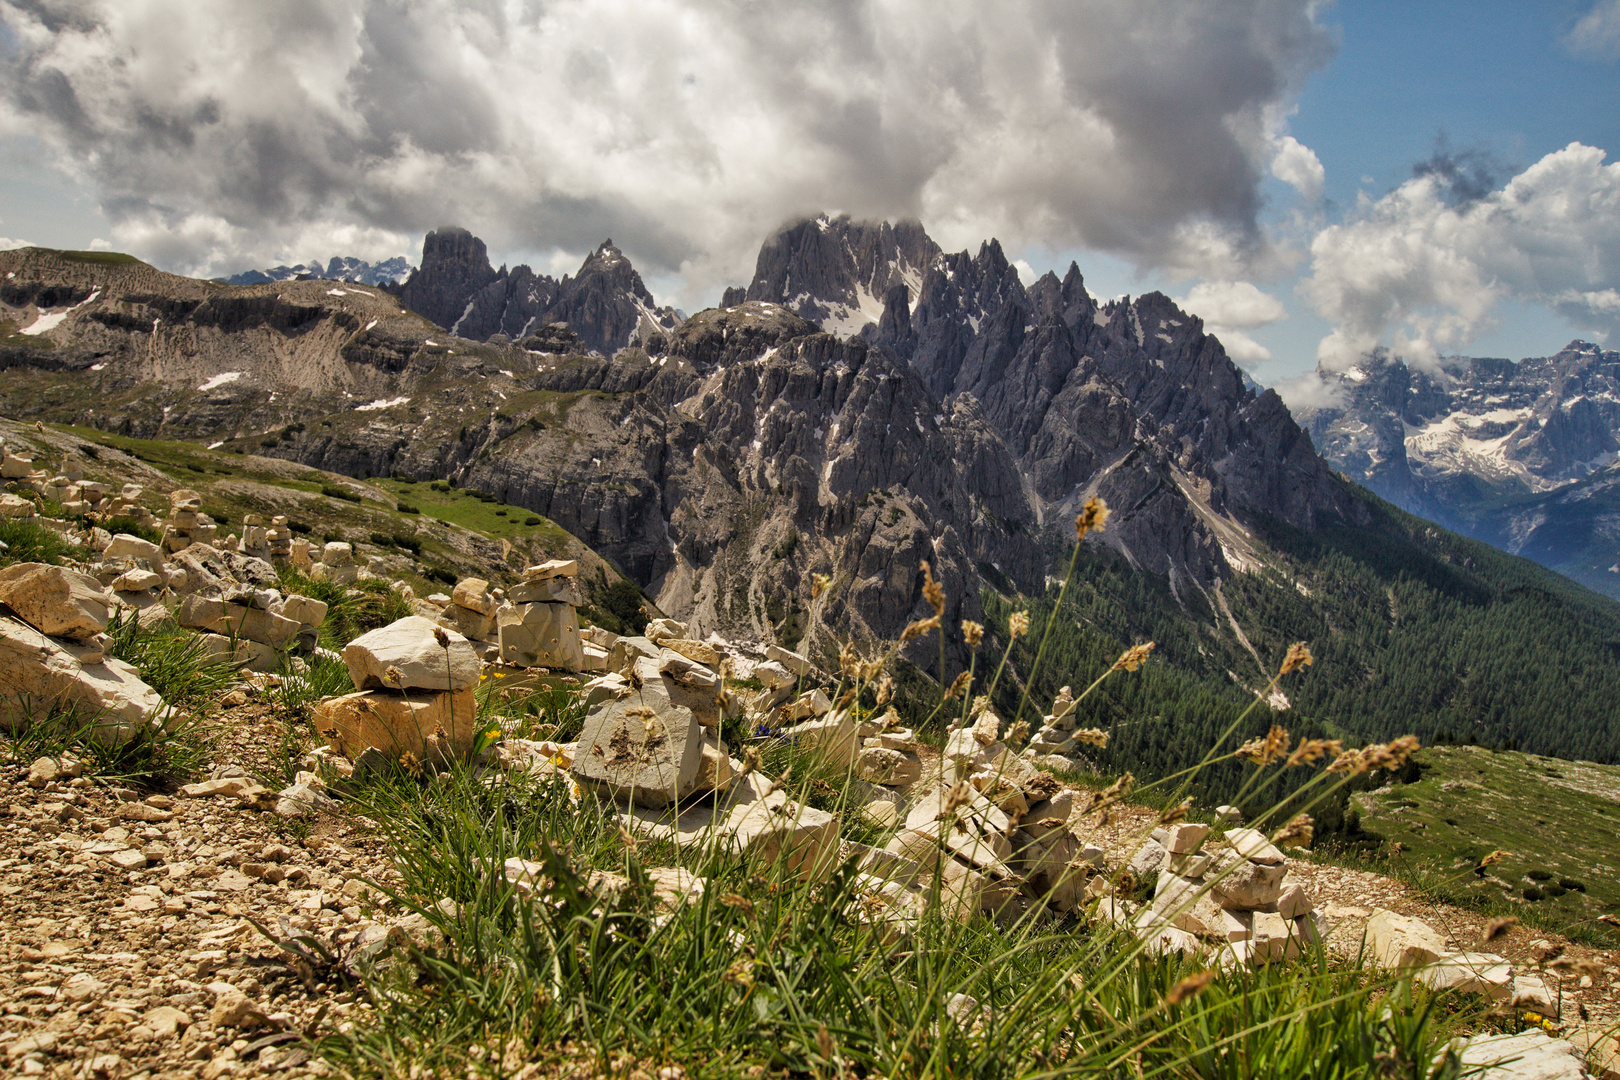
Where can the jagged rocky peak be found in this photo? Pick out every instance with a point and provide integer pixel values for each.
(837, 272)
(606, 305)
(1453, 439)
(743, 331)
(455, 266)
(1065, 300)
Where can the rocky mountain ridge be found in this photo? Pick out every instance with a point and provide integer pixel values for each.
(606, 305)
(1518, 454)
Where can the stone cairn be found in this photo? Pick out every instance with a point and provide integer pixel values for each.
(77, 495)
(1233, 894)
(278, 539)
(254, 627)
(471, 613)
(186, 523)
(1055, 739)
(254, 542)
(337, 564)
(19, 467)
(414, 682)
(539, 626)
(127, 504)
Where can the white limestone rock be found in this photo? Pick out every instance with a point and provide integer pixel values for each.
(407, 655)
(55, 600)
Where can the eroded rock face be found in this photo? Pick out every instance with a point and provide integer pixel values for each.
(603, 308)
(747, 447)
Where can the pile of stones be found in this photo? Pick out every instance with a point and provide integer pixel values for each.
(254, 541)
(19, 467)
(336, 564)
(278, 538)
(1055, 740)
(53, 655)
(1232, 893)
(540, 625)
(127, 504)
(256, 628)
(186, 523)
(414, 683)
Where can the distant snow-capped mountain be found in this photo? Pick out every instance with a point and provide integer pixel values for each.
(1517, 454)
(339, 268)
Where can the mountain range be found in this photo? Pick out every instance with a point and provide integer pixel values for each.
(1520, 455)
(867, 402)
(339, 268)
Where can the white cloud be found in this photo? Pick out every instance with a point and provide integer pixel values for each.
(1229, 308)
(1296, 164)
(1597, 33)
(8, 244)
(1423, 274)
(1238, 304)
(1312, 391)
(219, 136)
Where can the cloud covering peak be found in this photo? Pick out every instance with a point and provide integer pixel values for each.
(219, 136)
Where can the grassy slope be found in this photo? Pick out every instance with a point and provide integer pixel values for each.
(1553, 816)
(232, 485)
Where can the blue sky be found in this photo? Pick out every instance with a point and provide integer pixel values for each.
(1253, 157)
(1490, 77)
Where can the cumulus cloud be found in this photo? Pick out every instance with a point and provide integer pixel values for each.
(1297, 165)
(1422, 271)
(1230, 309)
(8, 244)
(1597, 33)
(224, 135)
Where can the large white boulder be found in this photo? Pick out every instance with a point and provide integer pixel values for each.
(126, 546)
(406, 655)
(641, 755)
(39, 676)
(1529, 1055)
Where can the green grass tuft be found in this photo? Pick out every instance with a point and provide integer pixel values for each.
(27, 540)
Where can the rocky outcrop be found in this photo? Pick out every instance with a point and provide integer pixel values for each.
(836, 272)
(455, 268)
(1130, 399)
(725, 460)
(605, 307)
